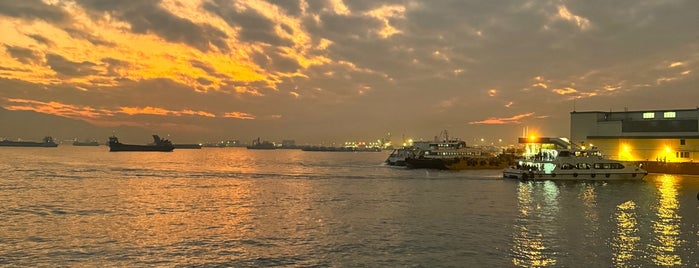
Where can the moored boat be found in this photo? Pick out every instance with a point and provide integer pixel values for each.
(158, 145)
(550, 162)
(46, 142)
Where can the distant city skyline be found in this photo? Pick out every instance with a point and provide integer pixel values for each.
(328, 71)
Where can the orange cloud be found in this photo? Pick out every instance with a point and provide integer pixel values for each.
(160, 111)
(56, 108)
(239, 115)
(565, 91)
(502, 121)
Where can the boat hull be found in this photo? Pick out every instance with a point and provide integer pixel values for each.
(140, 148)
(457, 163)
(515, 173)
(27, 144)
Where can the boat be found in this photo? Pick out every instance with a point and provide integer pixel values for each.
(546, 161)
(449, 154)
(455, 155)
(398, 156)
(46, 142)
(85, 143)
(261, 145)
(158, 145)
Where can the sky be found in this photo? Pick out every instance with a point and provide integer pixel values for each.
(320, 71)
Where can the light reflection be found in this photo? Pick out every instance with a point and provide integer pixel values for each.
(625, 241)
(528, 248)
(589, 198)
(666, 228)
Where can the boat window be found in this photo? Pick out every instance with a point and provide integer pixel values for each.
(669, 114)
(648, 115)
(608, 166)
(583, 166)
(567, 166)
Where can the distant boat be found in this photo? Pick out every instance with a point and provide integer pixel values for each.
(46, 142)
(158, 145)
(85, 143)
(187, 146)
(261, 145)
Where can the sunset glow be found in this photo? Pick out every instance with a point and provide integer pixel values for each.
(222, 65)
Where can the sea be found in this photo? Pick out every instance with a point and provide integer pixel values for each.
(233, 207)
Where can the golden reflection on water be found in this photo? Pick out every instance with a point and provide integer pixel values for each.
(626, 239)
(666, 228)
(179, 211)
(529, 249)
(589, 201)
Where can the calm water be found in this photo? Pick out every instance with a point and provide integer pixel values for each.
(84, 206)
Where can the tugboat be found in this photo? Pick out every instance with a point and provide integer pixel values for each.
(158, 145)
(46, 142)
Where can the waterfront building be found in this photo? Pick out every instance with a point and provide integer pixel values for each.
(651, 136)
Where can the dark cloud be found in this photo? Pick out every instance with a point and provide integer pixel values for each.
(24, 55)
(204, 81)
(69, 68)
(148, 17)
(41, 39)
(113, 65)
(95, 40)
(203, 66)
(254, 27)
(292, 7)
(33, 9)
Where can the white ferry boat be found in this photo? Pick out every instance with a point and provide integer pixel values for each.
(551, 163)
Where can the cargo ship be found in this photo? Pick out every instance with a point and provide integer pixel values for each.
(46, 142)
(158, 145)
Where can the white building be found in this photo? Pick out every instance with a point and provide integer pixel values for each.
(652, 135)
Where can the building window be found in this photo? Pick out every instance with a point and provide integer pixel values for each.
(682, 142)
(669, 114)
(648, 115)
(682, 154)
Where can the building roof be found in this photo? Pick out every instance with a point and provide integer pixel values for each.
(638, 111)
(686, 137)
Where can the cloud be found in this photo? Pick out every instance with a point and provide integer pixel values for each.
(33, 10)
(239, 115)
(69, 68)
(56, 108)
(148, 16)
(580, 22)
(502, 121)
(24, 55)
